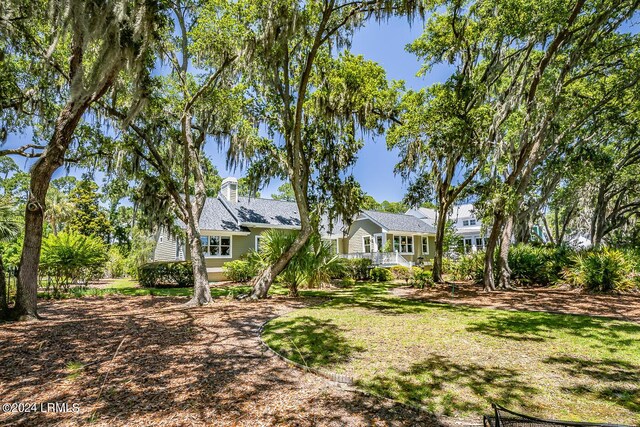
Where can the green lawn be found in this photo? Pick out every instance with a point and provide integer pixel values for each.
(456, 360)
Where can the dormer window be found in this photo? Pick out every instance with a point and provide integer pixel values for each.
(465, 222)
(472, 222)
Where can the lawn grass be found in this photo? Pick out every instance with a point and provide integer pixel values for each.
(456, 360)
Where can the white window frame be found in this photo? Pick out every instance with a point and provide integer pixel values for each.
(472, 221)
(257, 243)
(397, 244)
(220, 237)
(465, 222)
(364, 245)
(425, 240)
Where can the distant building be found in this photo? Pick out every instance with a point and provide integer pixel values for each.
(468, 226)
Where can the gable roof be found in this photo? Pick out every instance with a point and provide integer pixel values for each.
(215, 216)
(426, 214)
(399, 222)
(265, 212)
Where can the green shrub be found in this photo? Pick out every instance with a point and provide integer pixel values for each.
(538, 264)
(421, 277)
(347, 282)
(240, 270)
(400, 272)
(379, 274)
(340, 269)
(116, 265)
(602, 270)
(359, 268)
(72, 258)
(166, 274)
(448, 265)
(470, 267)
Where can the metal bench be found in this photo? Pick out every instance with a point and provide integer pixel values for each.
(507, 418)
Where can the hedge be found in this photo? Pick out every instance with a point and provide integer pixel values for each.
(166, 274)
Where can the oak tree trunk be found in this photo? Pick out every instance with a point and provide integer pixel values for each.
(504, 281)
(492, 244)
(41, 172)
(441, 224)
(201, 289)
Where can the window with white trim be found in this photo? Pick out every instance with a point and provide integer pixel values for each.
(465, 222)
(403, 244)
(472, 222)
(216, 246)
(366, 244)
(425, 245)
(258, 242)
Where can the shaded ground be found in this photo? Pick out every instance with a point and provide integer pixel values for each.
(624, 307)
(144, 361)
(456, 359)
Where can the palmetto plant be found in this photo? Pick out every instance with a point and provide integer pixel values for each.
(310, 267)
(9, 229)
(70, 257)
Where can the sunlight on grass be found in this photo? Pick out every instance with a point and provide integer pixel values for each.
(456, 360)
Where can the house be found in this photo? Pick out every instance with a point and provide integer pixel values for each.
(232, 225)
(468, 226)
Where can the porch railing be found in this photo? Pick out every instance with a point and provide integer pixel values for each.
(380, 258)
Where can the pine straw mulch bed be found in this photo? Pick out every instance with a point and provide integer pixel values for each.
(552, 300)
(145, 361)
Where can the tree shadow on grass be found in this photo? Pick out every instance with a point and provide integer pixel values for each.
(536, 326)
(376, 297)
(309, 341)
(609, 380)
(446, 386)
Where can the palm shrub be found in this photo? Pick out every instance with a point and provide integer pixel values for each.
(313, 265)
(601, 270)
(541, 265)
(72, 258)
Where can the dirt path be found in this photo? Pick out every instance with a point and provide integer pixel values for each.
(143, 361)
(623, 307)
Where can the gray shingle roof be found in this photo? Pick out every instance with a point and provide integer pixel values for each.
(277, 213)
(216, 217)
(400, 222)
(266, 212)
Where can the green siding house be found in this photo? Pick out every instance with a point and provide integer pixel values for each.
(231, 226)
